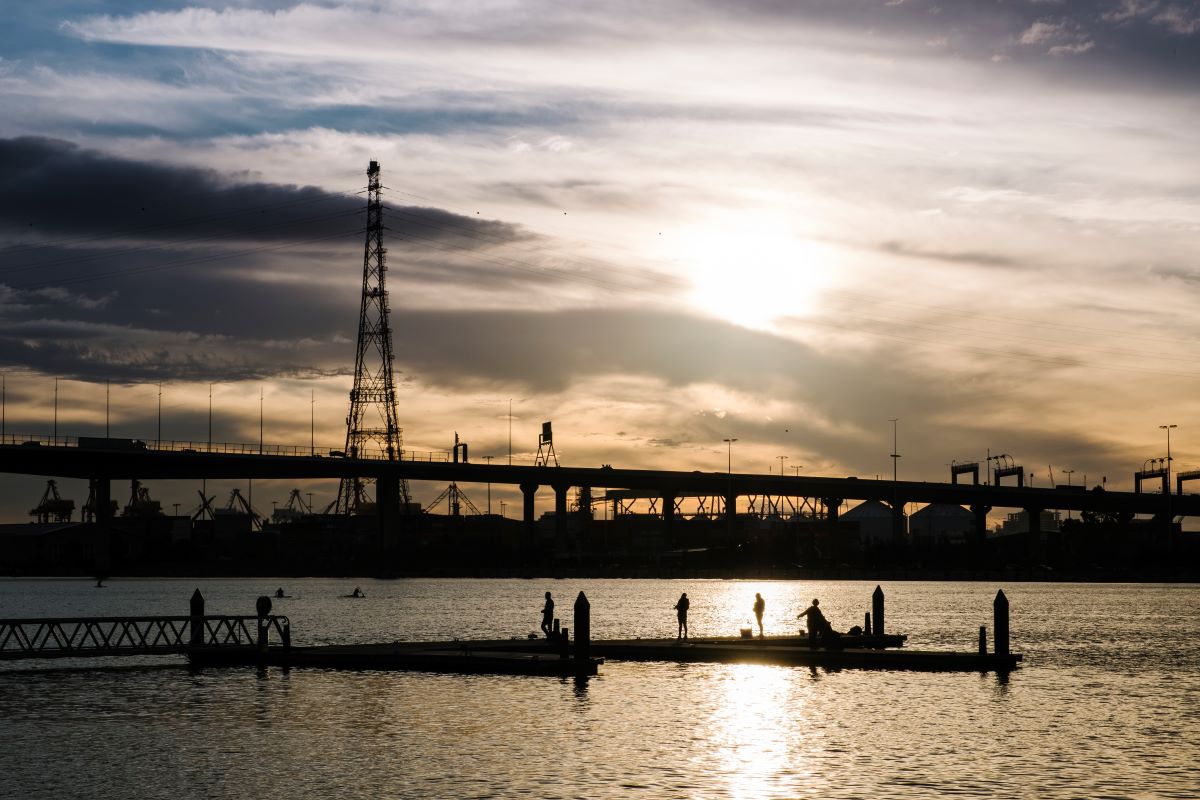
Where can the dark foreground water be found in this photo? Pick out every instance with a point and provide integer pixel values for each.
(1107, 704)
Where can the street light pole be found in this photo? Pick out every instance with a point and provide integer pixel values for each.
(781, 460)
(1167, 488)
(488, 459)
(729, 456)
(895, 449)
(1069, 472)
(729, 512)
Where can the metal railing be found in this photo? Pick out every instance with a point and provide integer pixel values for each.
(222, 448)
(88, 637)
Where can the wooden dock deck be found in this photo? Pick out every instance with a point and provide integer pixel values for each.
(454, 657)
(541, 657)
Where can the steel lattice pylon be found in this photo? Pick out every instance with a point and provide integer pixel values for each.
(372, 430)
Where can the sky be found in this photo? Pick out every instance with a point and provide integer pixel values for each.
(659, 225)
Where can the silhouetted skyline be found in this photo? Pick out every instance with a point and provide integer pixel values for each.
(660, 227)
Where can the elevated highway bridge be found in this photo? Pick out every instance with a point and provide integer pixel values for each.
(103, 461)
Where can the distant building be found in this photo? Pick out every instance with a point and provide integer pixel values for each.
(942, 522)
(1018, 522)
(874, 520)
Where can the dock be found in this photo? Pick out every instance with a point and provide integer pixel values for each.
(223, 641)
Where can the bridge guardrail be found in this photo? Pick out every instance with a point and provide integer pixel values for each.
(222, 448)
(87, 637)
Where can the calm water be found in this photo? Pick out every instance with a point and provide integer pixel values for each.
(1107, 705)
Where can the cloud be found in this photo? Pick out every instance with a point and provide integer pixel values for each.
(1178, 20)
(124, 200)
(978, 259)
(1060, 38)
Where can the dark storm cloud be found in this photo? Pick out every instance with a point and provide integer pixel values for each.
(51, 188)
(133, 271)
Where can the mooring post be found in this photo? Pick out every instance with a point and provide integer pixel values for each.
(555, 632)
(877, 610)
(1000, 623)
(263, 607)
(983, 640)
(867, 624)
(285, 633)
(196, 611)
(583, 632)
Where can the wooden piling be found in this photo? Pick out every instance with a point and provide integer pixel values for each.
(583, 633)
(877, 611)
(983, 640)
(867, 624)
(196, 611)
(1000, 623)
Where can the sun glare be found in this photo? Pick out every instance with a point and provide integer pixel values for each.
(752, 272)
(753, 728)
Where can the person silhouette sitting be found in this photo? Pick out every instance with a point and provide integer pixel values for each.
(817, 624)
(547, 615)
(279, 592)
(681, 609)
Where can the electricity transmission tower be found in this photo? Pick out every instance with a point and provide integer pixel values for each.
(371, 427)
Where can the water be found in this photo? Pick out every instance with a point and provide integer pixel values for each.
(1107, 704)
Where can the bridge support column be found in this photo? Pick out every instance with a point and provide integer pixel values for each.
(898, 532)
(668, 517)
(560, 517)
(832, 504)
(1037, 537)
(387, 506)
(980, 524)
(528, 493)
(977, 543)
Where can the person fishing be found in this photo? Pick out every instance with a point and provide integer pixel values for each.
(547, 615)
(760, 605)
(817, 624)
(681, 609)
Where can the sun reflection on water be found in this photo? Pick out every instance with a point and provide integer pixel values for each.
(754, 729)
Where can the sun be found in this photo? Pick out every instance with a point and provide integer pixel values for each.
(753, 271)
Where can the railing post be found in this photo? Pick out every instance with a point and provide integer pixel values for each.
(263, 607)
(196, 611)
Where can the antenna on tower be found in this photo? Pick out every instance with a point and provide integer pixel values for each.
(371, 427)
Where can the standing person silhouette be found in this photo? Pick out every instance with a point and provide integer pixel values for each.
(760, 605)
(681, 609)
(547, 615)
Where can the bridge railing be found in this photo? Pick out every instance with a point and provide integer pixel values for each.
(222, 448)
(87, 637)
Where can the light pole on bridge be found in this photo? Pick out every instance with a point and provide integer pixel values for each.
(1167, 488)
(488, 459)
(729, 512)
